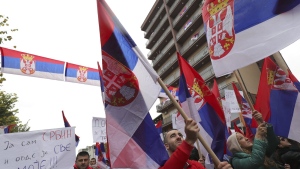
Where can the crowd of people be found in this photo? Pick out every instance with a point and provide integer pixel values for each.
(265, 151)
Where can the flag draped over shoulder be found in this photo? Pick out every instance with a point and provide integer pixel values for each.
(67, 124)
(194, 95)
(130, 91)
(242, 32)
(278, 101)
(81, 74)
(22, 63)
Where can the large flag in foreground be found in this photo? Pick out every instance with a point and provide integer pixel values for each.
(130, 91)
(194, 95)
(21, 63)
(241, 32)
(67, 124)
(82, 74)
(278, 101)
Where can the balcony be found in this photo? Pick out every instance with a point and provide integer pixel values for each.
(187, 31)
(199, 41)
(167, 121)
(163, 55)
(166, 36)
(199, 56)
(155, 20)
(163, 107)
(167, 64)
(176, 7)
(207, 73)
(191, 7)
(172, 77)
(158, 31)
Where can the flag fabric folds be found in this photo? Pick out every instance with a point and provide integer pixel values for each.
(294, 80)
(237, 129)
(22, 63)
(130, 91)
(67, 124)
(101, 82)
(81, 74)
(172, 90)
(194, 95)
(229, 22)
(244, 106)
(278, 101)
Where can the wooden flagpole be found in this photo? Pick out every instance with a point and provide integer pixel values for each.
(183, 114)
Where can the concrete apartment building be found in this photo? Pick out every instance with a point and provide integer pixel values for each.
(186, 20)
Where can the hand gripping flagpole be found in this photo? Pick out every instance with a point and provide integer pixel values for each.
(185, 117)
(183, 114)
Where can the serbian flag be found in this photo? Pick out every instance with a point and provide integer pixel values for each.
(237, 129)
(215, 90)
(172, 90)
(101, 82)
(81, 74)
(294, 80)
(67, 124)
(99, 152)
(241, 32)
(131, 89)
(194, 95)
(278, 101)
(244, 106)
(22, 63)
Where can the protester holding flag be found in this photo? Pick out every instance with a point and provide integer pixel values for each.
(179, 150)
(248, 155)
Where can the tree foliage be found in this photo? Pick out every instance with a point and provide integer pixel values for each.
(5, 32)
(8, 111)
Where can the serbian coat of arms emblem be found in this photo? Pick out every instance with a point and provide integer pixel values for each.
(27, 64)
(218, 17)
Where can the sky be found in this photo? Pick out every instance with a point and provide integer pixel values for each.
(67, 30)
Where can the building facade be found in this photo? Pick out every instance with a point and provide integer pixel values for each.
(173, 25)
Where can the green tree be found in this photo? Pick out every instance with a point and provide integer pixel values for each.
(8, 111)
(4, 30)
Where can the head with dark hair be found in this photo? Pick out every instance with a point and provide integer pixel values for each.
(172, 139)
(82, 160)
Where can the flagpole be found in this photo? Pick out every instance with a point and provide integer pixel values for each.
(183, 114)
(244, 90)
(185, 117)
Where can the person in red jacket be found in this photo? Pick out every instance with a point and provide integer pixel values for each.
(179, 149)
(82, 160)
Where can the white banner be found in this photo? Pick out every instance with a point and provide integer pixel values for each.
(43, 149)
(2, 129)
(99, 129)
(227, 113)
(231, 98)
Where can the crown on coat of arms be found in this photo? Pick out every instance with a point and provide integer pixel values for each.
(81, 68)
(197, 88)
(27, 57)
(215, 8)
(270, 76)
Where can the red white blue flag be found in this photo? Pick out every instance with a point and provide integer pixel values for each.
(278, 101)
(195, 96)
(131, 89)
(241, 32)
(67, 124)
(244, 106)
(82, 74)
(22, 63)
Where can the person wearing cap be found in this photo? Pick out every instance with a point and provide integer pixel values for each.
(254, 155)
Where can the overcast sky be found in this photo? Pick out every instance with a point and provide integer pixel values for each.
(67, 30)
